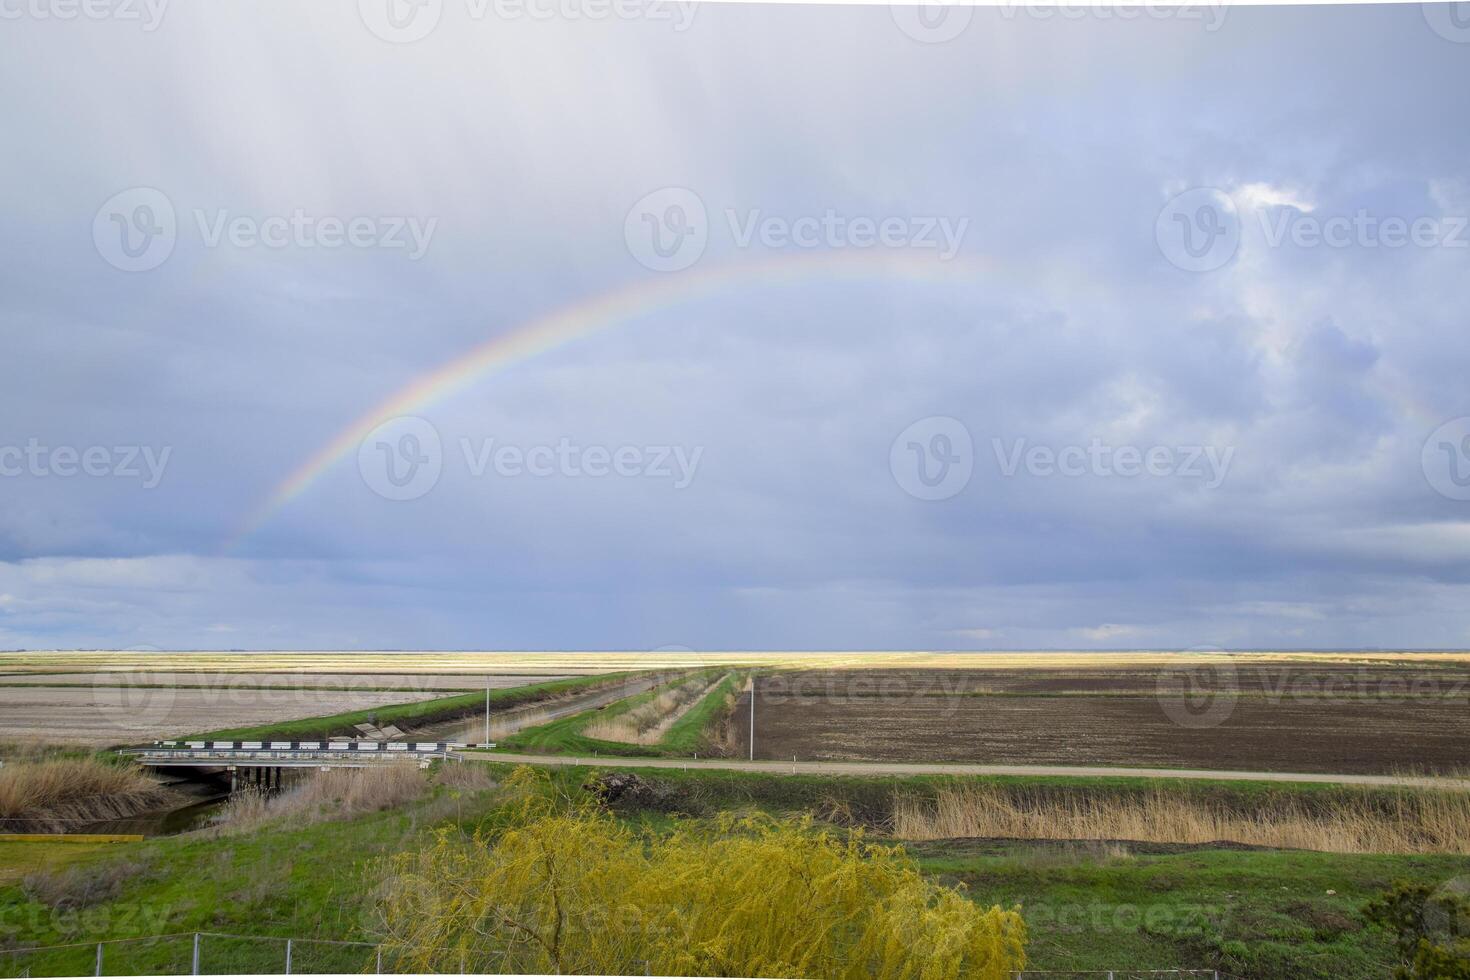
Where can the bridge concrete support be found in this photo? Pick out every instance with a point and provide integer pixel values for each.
(262, 779)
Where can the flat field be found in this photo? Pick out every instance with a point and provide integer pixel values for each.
(118, 715)
(382, 664)
(304, 680)
(1345, 712)
(541, 663)
(1307, 716)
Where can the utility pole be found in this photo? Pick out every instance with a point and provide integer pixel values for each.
(752, 717)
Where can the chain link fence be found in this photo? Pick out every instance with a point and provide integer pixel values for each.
(199, 954)
(224, 954)
(215, 954)
(1125, 975)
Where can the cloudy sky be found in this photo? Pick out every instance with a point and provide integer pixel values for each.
(532, 324)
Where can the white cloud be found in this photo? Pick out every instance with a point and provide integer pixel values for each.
(1451, 195)
(1111, 631)
(1259, 195)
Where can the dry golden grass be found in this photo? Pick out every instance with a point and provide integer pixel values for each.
(647, 723)
(467, 777)
(52, 795)
(1409, 822)
(330, 795)
(69, 888)
(246, 809)
(722, 739)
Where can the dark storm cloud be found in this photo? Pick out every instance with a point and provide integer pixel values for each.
(1286, 394)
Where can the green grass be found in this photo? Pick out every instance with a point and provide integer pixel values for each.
(286, 879)
(413, 712)
(564, 735)
(1251, 913)
(18, 859)
(686, 736)
(308, 881)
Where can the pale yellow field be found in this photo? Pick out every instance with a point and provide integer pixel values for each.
(563, 663)
(298, 679)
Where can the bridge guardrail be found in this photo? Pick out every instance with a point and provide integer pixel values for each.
(272, 754)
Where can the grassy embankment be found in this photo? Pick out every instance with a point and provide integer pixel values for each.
(1094, 905)
(1265, 914)
(50, 795)
(417, 712)
(684, 738)
(690, 733)
(1253, 913)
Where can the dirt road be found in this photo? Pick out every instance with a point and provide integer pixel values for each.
(958, 769)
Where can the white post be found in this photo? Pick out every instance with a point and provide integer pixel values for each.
(99, 960)
(752, 717)
(288, 957)
(196, 954)
(487, 716)
(380, 960)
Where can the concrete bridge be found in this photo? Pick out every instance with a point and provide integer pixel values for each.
(262, 763)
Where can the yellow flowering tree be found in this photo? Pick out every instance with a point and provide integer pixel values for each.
(558, 889)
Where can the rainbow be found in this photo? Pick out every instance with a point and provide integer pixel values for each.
(560, 327)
